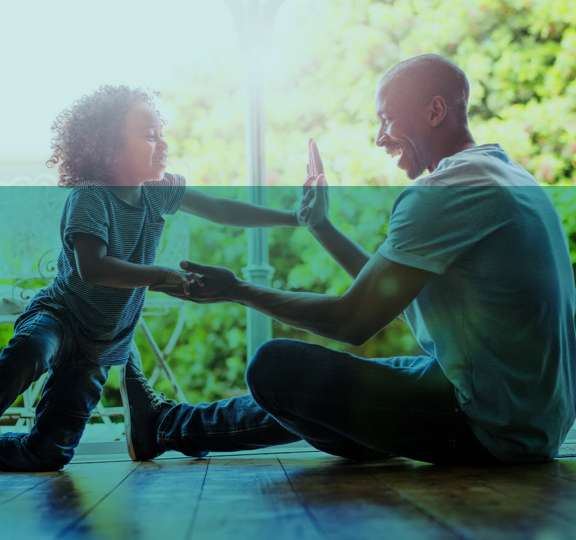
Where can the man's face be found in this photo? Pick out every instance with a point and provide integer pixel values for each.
(403, 129)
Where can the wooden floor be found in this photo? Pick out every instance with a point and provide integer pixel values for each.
(290, 493)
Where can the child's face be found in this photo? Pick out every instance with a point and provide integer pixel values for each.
(143, 156)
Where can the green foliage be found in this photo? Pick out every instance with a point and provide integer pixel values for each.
(520, 56)
(564, 200)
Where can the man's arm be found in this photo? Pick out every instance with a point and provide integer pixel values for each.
(347, 253)
(382, 290)
(97, 268)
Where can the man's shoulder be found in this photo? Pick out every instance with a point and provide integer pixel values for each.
(486, 165)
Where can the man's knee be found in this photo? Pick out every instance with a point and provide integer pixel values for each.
(266, 367)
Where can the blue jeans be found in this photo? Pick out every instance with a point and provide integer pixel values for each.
(44, 343)
(341, 404)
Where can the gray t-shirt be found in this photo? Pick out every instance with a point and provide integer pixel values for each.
(498, 308)
(104, 318)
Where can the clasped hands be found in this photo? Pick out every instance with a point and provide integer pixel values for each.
(213, 284)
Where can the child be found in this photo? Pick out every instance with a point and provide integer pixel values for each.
(112, 155)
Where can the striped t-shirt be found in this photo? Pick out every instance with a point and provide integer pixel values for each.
(104, 318)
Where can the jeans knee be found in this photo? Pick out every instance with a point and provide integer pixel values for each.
(30, 354)
(264, 367)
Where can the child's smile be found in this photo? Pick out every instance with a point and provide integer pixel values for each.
(143, 156)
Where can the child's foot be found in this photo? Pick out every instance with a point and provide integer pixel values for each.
(143, 413)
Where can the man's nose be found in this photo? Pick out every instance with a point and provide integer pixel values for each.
(381, 137)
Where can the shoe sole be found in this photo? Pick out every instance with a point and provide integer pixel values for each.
(127, 423)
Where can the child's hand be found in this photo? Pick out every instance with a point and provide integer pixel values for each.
(179, 281)
(217, 284)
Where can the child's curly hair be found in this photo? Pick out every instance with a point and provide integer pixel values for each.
(88, 133)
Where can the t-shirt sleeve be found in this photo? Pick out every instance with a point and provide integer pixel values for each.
(87, 213)
(171, 189)
(430, 228)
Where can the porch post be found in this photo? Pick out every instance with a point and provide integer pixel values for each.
(254, 20)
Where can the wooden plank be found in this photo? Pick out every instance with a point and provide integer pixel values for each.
(157, 500)
(538, 490)
(563, 468)
(476, 508)
(349, 503)
(287, 496)
(13, 485)
(46, 511)
(250, 497)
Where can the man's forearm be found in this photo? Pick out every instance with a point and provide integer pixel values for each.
(347, 253)
(319, 314)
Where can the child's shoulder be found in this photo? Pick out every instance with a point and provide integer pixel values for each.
(169, 180)
(87, 192)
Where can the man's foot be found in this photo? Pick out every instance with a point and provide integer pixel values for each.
(144, 410)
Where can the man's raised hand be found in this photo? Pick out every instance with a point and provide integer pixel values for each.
(313, 207)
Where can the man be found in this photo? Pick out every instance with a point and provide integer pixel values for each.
(475, 261)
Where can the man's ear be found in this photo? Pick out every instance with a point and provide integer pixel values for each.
(437, 110)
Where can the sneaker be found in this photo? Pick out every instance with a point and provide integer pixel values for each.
(143, 413)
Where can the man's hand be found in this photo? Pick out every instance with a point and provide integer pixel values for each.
(177, 281)
(313, 207)
(213, 284)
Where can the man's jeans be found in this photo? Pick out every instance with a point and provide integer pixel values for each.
(339, 403)
(43, 343)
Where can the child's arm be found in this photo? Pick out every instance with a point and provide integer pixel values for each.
(97, 268)
(237, 213)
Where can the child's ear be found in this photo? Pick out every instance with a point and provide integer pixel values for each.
(437, 109)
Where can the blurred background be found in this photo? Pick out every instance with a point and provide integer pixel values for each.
(319, 62)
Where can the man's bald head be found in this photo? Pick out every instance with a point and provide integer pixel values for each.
(423, 77)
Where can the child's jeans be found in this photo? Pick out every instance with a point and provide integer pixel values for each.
(43, 343)
(342, 404)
